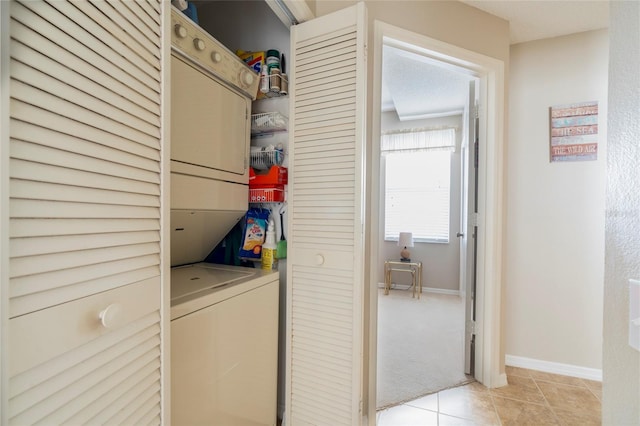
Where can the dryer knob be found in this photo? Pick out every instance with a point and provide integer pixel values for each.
(198, 44)
(181, 31)
(216, 57)
(246, 77)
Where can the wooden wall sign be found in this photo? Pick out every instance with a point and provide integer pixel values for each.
(574, 132)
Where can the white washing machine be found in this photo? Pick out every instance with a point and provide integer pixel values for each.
(224, 319)
(224, 345)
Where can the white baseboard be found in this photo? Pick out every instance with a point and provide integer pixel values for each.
(424, 289)
(554, 367)
(502, 380)
(441, 291)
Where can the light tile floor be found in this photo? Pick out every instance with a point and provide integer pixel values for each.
(530, 398)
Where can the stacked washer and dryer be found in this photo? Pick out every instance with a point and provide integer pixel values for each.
(224, 319)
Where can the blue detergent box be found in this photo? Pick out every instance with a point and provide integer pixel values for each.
(254, 232)
(191, 12)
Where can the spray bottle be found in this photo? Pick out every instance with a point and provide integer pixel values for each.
(264, 79)
(269, 261)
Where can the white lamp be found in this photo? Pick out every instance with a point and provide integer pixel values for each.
(405, 239)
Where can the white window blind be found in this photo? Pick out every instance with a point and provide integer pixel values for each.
(417, 168)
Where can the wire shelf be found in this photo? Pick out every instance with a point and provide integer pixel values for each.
(268, 122)
(265, 157)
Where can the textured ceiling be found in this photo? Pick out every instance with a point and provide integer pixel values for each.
(534, 20)
(413, 86)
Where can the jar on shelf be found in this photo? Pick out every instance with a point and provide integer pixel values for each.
(272, 60)
(274, 80)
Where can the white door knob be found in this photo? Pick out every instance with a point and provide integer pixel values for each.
(111, 316)
(198, 44)
(180, 31)
(319, 259)
(216, 57)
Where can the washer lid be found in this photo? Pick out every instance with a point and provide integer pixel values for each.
(192, 279)
(189, 296)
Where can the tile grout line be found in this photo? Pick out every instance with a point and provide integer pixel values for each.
(553, 411)
(493, 397)
(521, 400)
(546, 402)
(495, 409)
(592, 391)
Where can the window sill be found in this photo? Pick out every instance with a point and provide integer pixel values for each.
(420, 241)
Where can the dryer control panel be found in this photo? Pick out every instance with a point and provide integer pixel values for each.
(191, 41)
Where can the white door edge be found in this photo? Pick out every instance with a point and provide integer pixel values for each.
(4, 208)
(467, 224)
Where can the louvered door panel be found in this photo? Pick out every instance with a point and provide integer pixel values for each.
(62, 175)
(85, 212)
(49, 388)
(325, 265)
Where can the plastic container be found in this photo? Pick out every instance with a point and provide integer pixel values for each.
(276, 175)
(269, 248)
(272, 59)
(264, 81)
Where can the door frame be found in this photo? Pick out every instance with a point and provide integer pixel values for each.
(489, 360)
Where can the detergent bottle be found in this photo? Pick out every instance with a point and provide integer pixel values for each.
(269, 261)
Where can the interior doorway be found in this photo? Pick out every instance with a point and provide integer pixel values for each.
(426, 188)
(489, 75)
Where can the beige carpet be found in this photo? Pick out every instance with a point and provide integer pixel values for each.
(420, 345)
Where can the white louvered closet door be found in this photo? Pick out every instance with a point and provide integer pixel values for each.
(84, 302)
(325, 264)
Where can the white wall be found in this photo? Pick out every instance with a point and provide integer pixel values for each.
(554, 243)
(440, 262)
(449, 21)
(621, 384)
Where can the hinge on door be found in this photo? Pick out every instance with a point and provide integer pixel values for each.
(472, 327)
(474, 219)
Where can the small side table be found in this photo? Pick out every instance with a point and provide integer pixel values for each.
(414, 268)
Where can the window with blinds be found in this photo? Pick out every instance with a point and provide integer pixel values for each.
(417, 167)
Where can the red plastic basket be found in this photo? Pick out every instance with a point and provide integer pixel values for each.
(266, 195)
